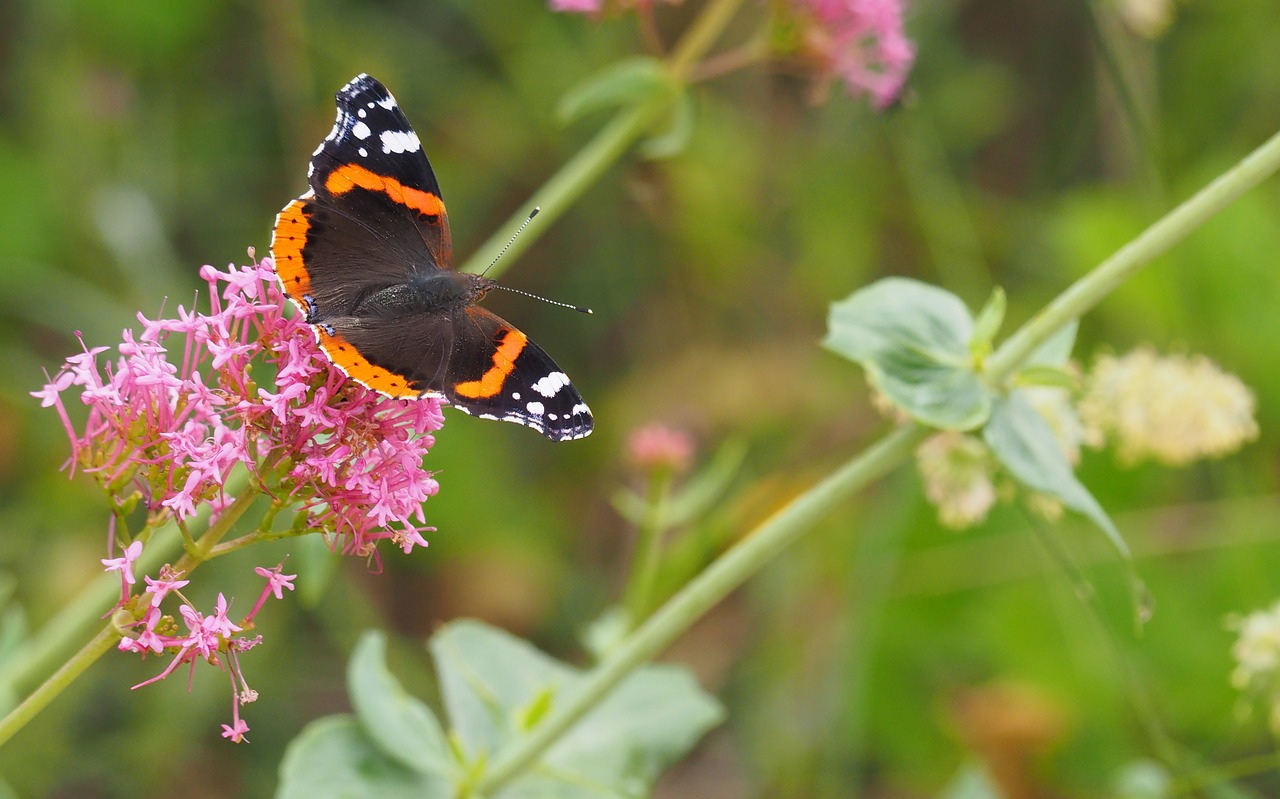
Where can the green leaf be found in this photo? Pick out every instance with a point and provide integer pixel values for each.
(334, 757)
(1144, 779)
(1051, 376)
(913, 340)
(489, 680)
(990, 318)
(402, 727)
(633, 81)
(679, 130)
(1025, 445)
(971, 783)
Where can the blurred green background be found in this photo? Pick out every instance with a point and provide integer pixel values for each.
(139, 140)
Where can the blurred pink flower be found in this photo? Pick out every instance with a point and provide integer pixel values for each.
(577, 6)
(656, 446)
(860, 42)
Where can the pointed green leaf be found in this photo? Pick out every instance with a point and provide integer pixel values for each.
(913, 340)
(971, 783)
(402, 727)
(1050, 376)
(333, 757)
(990, 318)
(625, 83)
(489, 680)
(672, 140)
(1025, 445)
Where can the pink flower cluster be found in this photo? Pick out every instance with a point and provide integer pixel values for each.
(174, 430)
(209, 637)
(860, 42)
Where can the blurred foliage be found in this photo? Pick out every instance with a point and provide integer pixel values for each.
(139, 140)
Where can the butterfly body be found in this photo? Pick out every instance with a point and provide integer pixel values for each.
(366, 255)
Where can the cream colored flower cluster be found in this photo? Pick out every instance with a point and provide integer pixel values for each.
(1174, 409)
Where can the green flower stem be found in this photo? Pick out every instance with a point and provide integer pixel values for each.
(1089, 290)
(17, 718)
(728, 572)
(226, 520)
(613, 140)
(648, 555)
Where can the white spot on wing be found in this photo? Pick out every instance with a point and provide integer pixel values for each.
(515, 395)
(388, 102)
(361, 131)
(550, 385)
(536, 408)
(362, 113)
(364, 153)
(400, 141)
(580, 408)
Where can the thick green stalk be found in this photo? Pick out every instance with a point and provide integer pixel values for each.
(728, 572)
(1172, 228)
(66, 674)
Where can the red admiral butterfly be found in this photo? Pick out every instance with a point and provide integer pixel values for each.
(366, 255)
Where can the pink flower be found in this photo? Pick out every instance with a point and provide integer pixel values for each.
(124, 565)
(276, 583)
(577, 6)
(236, 733)
(860, 42)
(656, 446)
(181, 409)
(210, 637)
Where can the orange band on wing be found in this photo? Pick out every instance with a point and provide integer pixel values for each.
(350, 176)
(287, 241)
(504, 360)
(358, 368)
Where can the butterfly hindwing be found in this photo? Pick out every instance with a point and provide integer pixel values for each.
(511, 378)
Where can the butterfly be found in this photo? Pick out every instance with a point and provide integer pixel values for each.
(366, 256)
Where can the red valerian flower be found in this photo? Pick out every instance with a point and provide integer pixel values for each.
(184, 405)
(859, 42)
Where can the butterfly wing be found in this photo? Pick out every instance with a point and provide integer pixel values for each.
(373, 217)
(499, 373)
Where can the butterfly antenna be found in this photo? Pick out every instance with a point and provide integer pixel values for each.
(532, 214)
(578, 308)
(512, 240)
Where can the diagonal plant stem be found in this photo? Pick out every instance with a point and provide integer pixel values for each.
(66, 674)
(1170, 229)
(776, 533)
